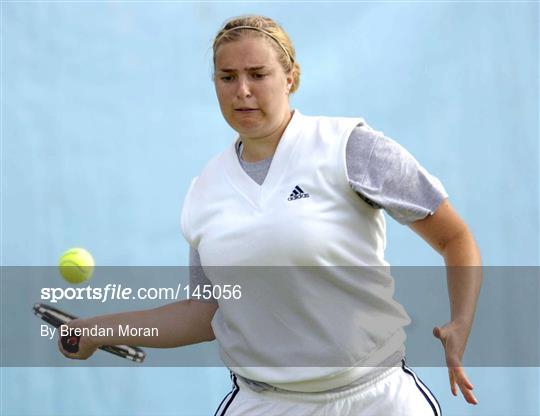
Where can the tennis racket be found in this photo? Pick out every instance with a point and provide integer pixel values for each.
(56, 318)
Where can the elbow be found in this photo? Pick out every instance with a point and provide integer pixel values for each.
(461, 249)
(457, 239)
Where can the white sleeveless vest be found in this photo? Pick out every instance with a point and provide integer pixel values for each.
(316, 307)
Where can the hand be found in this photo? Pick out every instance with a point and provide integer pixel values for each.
(87, 346)
(453, 337)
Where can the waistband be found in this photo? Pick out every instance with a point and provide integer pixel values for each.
(382, 360)
(325, 397)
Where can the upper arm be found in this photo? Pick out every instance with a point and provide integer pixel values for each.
(197, 277)
(383, 172)
(441, 227)
(204, 309)
(203, 313)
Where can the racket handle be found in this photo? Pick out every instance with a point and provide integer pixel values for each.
(71, 344)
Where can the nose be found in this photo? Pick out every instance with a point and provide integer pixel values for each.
(243, 90)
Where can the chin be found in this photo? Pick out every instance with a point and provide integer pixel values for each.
(247, 128)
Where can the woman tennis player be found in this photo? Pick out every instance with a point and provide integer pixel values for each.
(296, 190)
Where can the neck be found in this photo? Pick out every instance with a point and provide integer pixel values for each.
(260, 148)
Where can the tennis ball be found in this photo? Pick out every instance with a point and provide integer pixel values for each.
(76, 265)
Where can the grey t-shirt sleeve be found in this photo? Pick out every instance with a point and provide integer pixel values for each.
(197, 277)
(386, 175)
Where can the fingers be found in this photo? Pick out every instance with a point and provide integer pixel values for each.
(458, 379)
(462, 377)
(453, 341)
(466, 387)
(453, 385)
(86, 349)
(64, 352)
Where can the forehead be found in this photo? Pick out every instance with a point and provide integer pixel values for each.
(248, 51)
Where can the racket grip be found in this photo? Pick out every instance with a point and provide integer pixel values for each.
(71, 343)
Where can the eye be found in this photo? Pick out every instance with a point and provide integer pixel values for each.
(259, 75)
(226, 78)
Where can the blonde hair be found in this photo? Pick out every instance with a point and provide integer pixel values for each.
(263, 27)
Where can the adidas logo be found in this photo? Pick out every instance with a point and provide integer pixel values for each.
(297, 193)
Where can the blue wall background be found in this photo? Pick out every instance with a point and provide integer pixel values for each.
(108, 112)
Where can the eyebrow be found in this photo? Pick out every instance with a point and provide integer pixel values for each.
(250, 68)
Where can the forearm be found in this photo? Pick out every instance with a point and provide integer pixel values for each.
(176, 324)
(464, 277)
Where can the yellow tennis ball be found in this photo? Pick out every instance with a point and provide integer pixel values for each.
(76, 265)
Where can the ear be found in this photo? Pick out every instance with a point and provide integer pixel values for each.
(290, 80)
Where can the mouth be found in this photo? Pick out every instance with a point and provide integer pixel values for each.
(245, 109)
